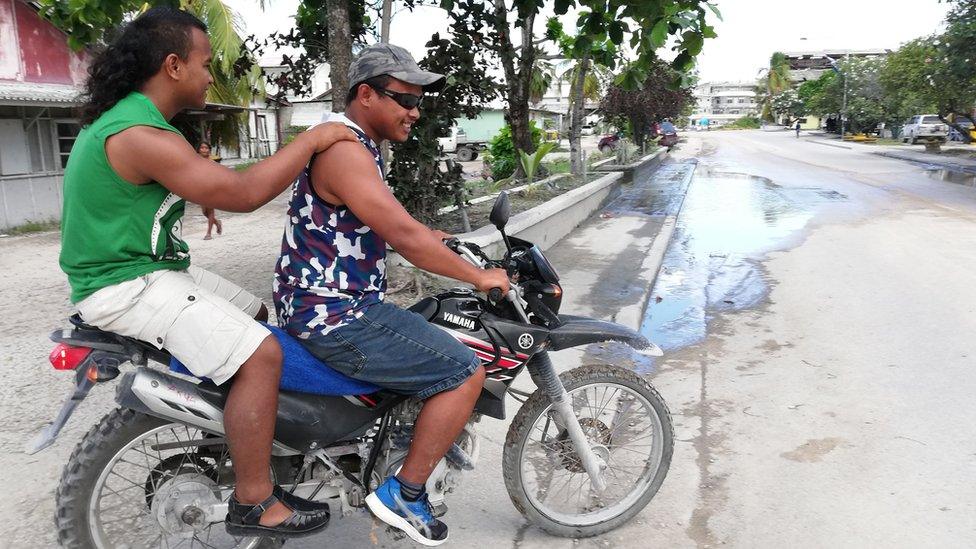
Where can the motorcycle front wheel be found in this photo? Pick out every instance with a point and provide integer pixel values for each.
(629, 428)
(139, 481)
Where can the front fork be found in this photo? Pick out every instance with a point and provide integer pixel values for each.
(544, 375)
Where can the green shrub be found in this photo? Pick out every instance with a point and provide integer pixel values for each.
(745, 123)
(501, 155)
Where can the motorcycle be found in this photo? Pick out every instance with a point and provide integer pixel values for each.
(608, 143)
(585, 452)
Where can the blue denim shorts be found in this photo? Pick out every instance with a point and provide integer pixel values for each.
(397, 350)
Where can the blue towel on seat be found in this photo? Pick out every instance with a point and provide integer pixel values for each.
(301, 372)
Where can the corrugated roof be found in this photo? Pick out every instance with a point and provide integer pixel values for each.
(33, 94)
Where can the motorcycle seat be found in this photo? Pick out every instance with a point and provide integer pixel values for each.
(302, 372)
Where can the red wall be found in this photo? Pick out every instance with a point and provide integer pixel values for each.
(44, 56)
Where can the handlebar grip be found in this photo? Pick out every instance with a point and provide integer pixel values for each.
(495, 294)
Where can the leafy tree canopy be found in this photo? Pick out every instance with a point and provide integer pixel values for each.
(654, 101)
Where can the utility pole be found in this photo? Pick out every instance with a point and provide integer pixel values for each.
(385, 19)
(843, 108)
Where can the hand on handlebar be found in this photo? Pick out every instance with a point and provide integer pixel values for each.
(493, 278)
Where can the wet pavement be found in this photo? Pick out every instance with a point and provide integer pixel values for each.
(729, 222)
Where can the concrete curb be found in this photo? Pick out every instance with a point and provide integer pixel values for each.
(655, 158)
(633, 315)
(908, 157)
(545, 224)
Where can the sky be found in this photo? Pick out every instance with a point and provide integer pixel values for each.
(750, 31)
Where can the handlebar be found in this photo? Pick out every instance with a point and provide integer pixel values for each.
(473, 253)
(495, 294)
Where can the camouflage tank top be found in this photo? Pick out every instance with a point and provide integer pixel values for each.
(332, 266)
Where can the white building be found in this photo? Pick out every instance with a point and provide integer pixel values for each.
(809, 65)
(40, 83)
(555, 102)
(304, 110)
(724, 102)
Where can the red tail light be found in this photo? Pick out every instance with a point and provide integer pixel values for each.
(66, 357)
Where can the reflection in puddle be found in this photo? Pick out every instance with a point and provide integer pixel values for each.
(953, 176)
(729, 221)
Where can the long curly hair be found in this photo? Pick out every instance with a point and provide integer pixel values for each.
(135, 56)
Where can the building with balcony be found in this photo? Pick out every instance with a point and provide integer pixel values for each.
(720, 103)
(809, 65)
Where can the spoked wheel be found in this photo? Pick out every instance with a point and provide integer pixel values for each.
(628, 427)
(139, 481)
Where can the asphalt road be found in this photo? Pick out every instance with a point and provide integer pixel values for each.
(817, 306)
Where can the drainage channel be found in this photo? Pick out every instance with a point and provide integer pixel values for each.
(728, 224)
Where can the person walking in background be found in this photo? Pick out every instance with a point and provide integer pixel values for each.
(797, 128)
(203, 149)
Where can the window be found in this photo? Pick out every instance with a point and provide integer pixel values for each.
(261, 125)
(67, 133)
(34, 142)
(40, 143)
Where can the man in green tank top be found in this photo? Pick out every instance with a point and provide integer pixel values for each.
(125, 185)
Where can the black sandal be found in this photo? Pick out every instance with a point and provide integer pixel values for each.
(306, 518)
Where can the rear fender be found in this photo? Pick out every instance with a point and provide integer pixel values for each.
(578, 330)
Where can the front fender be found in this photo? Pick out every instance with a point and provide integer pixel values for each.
(579, 330)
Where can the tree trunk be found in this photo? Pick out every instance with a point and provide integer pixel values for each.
(518, 73)
(640, 130)
(340, 51)
(576, 104)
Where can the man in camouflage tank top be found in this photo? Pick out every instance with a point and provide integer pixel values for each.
(331, 278)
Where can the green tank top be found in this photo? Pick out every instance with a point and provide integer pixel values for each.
(112, 230)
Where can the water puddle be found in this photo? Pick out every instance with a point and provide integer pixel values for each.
(965, 179)
(728, 223)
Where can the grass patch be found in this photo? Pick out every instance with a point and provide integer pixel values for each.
(32, 227)
(557, 166)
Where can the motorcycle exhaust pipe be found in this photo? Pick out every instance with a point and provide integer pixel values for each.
(157, 394)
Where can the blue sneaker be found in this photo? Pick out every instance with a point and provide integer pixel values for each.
(415, 518)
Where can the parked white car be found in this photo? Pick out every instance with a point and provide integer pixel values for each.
(925, 127)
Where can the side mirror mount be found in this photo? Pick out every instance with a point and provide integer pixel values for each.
(500, 212)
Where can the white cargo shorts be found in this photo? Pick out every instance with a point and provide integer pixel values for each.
(202, 319)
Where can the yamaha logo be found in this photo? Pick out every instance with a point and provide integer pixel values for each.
(459, 321)
(525, 341)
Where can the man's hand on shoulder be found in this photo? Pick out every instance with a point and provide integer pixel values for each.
(328, 134)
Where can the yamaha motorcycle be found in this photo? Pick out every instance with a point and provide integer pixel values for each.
(585, 452)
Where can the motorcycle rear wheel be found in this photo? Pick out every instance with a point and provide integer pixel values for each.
(619, 411)
(125, 438)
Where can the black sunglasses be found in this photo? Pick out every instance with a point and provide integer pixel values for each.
(408, 101)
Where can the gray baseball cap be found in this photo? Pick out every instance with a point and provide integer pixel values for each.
(395, 61)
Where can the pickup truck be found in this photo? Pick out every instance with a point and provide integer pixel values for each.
(467, 143)
(925, 127)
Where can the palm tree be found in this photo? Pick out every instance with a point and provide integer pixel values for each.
(237, 78)
(775, 81)
(543, 73)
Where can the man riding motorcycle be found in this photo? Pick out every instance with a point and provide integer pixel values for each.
(331, 278)
(125, 185)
